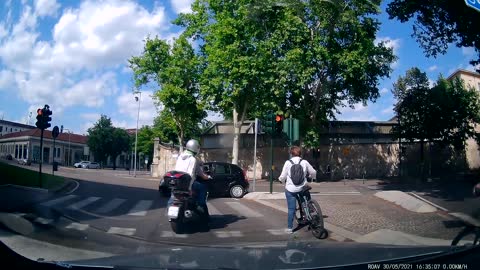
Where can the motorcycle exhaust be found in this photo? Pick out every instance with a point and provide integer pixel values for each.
(188, 213)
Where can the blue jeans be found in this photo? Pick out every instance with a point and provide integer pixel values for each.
(200, 190)
(291, 204)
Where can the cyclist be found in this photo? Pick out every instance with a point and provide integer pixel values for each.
(294, 177)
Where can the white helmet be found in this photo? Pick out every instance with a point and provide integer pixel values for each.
(193, 146)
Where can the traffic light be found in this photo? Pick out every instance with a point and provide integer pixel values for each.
(279, 124)
(39, 122)
(268, 123)
(46, 117)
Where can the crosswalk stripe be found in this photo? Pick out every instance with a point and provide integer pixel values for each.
(172, 234)
(122, 231)
(111, 205)
(58, 200)
(212, 210)
(43, 221)
(276, 231)
(83, 203)
(226, 234)
(77, 226)
(140, 208)
(243, 210)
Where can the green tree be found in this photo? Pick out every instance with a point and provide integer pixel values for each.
(145, 142)
(120, 143)
(105, 140)
(100, 138)
(291, 56)
(437, 24)
(175, 70)
(446, 113)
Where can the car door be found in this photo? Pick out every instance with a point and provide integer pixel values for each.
(221, 178)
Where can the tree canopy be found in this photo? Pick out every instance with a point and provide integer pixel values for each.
(437, 24)
(297, 57)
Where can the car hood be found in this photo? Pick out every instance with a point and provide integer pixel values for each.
(290, 255)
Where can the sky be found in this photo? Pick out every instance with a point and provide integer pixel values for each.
(72, 55)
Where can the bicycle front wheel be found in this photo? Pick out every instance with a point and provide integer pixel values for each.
(466, 234)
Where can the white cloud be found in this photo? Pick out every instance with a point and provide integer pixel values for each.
(129, 107)
(383, 91)
(181, 6)
(90, 116)
(213, 117)
(433, 68)
(69, 70)
(431, 83)
(388, 110)
(46, 7)
(394, 44)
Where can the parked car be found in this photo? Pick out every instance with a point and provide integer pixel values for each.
(24, 161)
(80, 164)
(227, 179)
(91, 165)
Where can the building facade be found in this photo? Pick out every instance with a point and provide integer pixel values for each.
(69, 148)
(7, 127)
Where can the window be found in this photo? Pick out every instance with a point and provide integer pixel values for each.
(222, 169)
(1, 128)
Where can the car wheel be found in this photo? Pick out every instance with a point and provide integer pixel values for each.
(237, 191)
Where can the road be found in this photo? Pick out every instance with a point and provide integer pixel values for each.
(115, 211)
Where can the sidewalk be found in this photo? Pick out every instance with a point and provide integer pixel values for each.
(364, 217)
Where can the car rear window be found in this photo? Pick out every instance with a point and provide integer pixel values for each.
(222, 169)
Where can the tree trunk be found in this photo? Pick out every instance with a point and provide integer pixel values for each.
(236, 136)
(114, 160)
(422, 160)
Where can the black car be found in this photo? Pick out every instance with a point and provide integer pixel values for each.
(227, 179)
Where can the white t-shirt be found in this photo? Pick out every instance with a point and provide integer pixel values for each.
(307, 168)
(186, 162)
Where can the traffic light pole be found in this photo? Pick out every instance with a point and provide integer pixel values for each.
(271, 163)
(41, 158)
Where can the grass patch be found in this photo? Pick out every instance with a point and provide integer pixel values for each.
(10, 174)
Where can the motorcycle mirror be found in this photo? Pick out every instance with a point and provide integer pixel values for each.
(476, 190)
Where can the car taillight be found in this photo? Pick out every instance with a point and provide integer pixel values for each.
(168, 174)
(178, 175)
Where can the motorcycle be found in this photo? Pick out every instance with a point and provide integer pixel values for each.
(184, 212)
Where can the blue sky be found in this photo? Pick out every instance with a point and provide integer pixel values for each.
(73, 56)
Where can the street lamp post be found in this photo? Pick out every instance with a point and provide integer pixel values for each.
(137, 99)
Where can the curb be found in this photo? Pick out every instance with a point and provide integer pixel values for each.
(70, 186)
(338, 233)
(427, 201)
(43, 190)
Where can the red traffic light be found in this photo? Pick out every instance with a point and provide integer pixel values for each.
(278, 118)
(39, 111)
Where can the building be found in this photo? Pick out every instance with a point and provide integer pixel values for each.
(7, 127)
(471, 79)
(69, 148)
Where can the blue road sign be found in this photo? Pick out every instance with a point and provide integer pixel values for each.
(475, 4)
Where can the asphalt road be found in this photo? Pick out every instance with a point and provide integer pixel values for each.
(116, 212)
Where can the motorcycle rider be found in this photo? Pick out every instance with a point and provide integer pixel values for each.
(187, 162)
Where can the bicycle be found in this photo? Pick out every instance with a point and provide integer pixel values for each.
(472, 229)
(308, 212)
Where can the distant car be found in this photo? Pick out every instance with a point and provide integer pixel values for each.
(227, 179)
(80, 164)
(91, 165)
(24, 161)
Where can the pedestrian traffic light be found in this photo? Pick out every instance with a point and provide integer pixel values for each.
(267, 123)
(279, 124)
(39, 122)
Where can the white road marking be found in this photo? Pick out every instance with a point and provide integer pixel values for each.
(140, 209)
(81, 204)
(122, 231)
(212, 210)
(172, 234)
(243, 210)
(43, 221)
(277, 231)
(110, 206)
(78, 226)
(58, 200)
